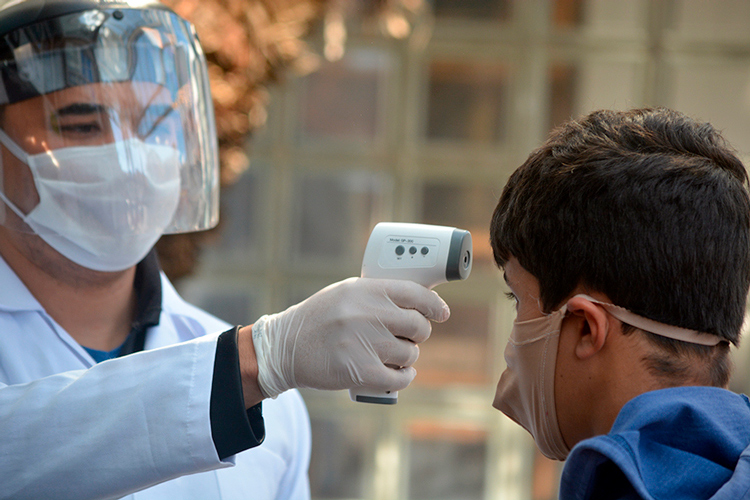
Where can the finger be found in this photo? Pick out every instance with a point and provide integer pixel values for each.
(390, 379)
(407, 324)
(399, 353)
(410, 295)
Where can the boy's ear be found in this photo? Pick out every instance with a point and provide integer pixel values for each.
(594, 329)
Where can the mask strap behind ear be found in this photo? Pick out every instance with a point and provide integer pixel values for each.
(651, 326)
(19, 153)
(14, 148)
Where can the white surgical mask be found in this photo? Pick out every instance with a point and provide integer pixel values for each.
(526, 391)
(103, 207)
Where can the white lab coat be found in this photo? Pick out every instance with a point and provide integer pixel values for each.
(72, 429)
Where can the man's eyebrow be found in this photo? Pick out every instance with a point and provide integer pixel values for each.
(80, 108)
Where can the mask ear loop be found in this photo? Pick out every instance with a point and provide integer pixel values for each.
(23, 156)
(657, 328)
(14, 148)
(12, 206)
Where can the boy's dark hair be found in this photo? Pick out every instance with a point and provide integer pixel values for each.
(646, 206)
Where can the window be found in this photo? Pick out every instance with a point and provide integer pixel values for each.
(428, 129)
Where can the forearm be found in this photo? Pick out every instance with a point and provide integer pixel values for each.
(248, 367)
(116, 428)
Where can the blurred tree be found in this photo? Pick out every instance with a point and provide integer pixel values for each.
(249, 44)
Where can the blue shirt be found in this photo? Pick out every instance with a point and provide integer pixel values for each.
(100, 356)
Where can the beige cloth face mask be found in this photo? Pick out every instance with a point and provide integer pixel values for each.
(526, 391)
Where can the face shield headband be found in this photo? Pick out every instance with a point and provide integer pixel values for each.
(104, 54)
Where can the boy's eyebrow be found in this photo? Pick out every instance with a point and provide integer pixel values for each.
(508, 282)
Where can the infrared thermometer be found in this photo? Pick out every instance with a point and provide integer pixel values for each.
(423, 253)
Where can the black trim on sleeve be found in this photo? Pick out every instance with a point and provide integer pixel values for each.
(233, 428)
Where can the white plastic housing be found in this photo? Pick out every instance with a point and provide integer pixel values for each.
(426, 254)
(423, 253)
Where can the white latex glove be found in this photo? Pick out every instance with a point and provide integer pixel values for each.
(350, 334)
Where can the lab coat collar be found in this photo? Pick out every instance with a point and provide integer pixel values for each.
(14, 296)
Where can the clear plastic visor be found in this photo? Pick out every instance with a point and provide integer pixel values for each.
(106, 122)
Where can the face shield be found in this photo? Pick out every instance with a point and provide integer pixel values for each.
(108, 133)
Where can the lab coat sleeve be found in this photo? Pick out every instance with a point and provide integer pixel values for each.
(116, 428)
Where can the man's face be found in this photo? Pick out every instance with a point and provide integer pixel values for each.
(87, 115)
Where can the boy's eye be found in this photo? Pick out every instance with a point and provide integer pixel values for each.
(511, 296)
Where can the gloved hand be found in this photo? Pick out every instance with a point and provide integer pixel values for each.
(358, 332)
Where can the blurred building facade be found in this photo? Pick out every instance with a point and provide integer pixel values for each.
(425, 124)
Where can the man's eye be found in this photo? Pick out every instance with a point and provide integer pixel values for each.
(80, 120)
(81, 128)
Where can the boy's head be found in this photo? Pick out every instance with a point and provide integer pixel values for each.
(647, 207)
(622, 233)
